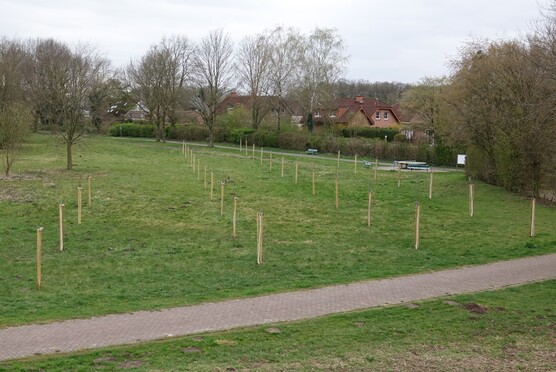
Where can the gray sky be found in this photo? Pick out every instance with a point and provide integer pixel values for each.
(388, 40)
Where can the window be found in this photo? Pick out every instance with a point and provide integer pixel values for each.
(377, 115)
(333, 114)
(317, 114)
(385, 116)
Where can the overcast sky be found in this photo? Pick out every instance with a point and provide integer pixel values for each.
(388, 40)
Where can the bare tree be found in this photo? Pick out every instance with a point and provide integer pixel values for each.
(322, 65)
(61, 80)
(159, 80)
(253, 59)
(213, 73)
(15, 120)
(286, 55)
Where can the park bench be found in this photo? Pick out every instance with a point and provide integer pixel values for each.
(312, 152)
(412, 165)
(367, 164)
(418, 167)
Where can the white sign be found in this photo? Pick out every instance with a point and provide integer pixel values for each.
(461, 159)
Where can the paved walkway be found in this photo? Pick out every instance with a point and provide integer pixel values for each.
(72, 335)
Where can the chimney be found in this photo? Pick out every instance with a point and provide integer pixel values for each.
(359, 99)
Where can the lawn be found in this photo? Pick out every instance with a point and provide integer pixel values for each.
(510, 329)
(153, 238)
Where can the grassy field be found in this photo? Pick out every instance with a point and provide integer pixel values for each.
(154, 239)
(510, 329)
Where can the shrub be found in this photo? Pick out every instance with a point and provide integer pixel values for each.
(400, 137)
(132, 130)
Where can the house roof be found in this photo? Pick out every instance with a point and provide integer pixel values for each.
(346, 108)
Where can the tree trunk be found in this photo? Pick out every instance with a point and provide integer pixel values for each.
(69, 163)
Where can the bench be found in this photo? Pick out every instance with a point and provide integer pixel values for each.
(367, 164)
(418, 166)
(312, 152)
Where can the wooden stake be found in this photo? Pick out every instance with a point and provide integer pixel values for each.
(399, 175)
(193, 163)
(376, 167)
(89, 197)
(79, 201)
(259, 238)
(338, 165)
(262, 151)
(369, 208)
(430, 186)
(234, 219)
(337, 192)
(222, 183)
(313, 181)
(183, 147)
(39, 248)
(185, 151)
(471, 200)
(270, 162)
(355, 164)
(246, 155)
(253, 151)
(190, 156)
(205, 183)
(61, 215)
(532, 230)
(417, 217)
(240, 142)
(296, 170)
(211, 184)
(282, 167)
(199, 170)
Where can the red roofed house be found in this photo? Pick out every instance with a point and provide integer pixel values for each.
(358, 112)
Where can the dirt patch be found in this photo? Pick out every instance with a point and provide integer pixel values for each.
(104, 359)
(474, 308)
(273, 330)
(451, 303)
(359, 324)
(411, 306)
(131, 364)
(191, 350)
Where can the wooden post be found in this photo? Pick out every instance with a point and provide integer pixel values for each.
(417, 216)
(191, 156)
(222, 183)
(337, 192)
(376, 167)
(399, 175)
(205, 183)
(247, 156)
(262, 151)
(338, 165)
(296, 170)
(313, 181)
(253, 151)
(234, 218)
(79, 202)
(199, 170)
(369, 208)
(185, 151)
(532, 230)
(89, 197)
(183, 147)
(61, 215)
(270, 162)
(355, 164)
(471, 200)
(240, 147)
(193, 163)
(39, 248)
(282, 167)
(259, 238)
(430, 186)
(211, 184)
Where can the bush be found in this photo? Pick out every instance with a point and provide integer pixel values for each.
(400, 137)
(366, 132)
(132, 130)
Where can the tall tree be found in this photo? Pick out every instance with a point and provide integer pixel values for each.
(322, 65)
(213, 73)
(15, 120)
(159, 79)
(61, 79)
(253, 60)
(286, 52)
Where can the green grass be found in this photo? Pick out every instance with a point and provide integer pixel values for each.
(510, 329)
(153, 239)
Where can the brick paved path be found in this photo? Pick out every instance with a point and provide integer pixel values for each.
(71, 335)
